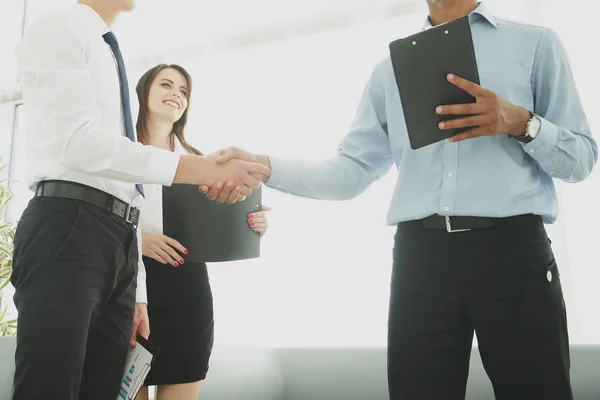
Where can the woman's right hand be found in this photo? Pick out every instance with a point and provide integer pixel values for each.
(163, 249)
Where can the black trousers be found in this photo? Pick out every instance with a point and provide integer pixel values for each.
(74, 275)
(501, 283)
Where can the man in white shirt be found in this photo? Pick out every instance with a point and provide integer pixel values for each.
(76, 246)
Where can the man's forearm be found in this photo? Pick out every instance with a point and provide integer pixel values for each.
(337, 178)
(187, 170)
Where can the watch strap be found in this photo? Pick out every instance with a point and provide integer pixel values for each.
(526, 138)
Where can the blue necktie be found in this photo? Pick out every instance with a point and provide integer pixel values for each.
(111, 39)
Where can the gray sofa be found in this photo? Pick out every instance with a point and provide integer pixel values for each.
(255, 373)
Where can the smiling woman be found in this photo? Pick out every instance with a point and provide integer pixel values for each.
(164, 94)
(156, 95)
(179, 296)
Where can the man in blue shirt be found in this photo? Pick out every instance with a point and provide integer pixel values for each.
(471, 252)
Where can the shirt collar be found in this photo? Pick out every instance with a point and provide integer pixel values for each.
(93, 21)
(480, 12)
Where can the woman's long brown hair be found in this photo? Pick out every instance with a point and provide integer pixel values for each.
(143, 92)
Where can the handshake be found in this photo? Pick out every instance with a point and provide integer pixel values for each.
(227, 176)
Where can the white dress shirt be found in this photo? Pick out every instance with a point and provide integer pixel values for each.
(151, 216)
(72, 103)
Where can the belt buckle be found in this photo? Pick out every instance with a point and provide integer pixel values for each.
(449, 226)
(132, 215)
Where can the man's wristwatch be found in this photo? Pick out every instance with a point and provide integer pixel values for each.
(533, 127)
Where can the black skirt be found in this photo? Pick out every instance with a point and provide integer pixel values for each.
(180, 308)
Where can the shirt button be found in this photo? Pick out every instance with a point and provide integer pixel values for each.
(532, 151)
(446, 208)
(449, 174)
(549, 276)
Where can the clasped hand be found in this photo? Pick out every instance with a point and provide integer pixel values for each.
(229, 192)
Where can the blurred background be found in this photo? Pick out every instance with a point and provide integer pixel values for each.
(283, 77)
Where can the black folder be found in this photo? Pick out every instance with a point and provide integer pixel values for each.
(211, 232)
(421, 63)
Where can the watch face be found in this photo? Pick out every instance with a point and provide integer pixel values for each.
(534, 126)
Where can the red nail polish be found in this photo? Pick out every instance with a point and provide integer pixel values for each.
(176, 264)
(182, 261)
(185, 252)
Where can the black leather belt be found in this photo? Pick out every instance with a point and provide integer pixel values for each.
(463, 224)
(77, 191)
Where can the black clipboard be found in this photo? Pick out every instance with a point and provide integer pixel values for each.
(151, 347)
(421, 63)
(211, 232)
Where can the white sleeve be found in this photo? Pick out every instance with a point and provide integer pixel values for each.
(141, 295)
(55, 79)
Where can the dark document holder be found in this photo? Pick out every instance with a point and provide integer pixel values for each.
(421, 63)
(212, 232)
(132, 381)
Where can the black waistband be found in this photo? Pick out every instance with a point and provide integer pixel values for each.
(464, 223)
(78, 191)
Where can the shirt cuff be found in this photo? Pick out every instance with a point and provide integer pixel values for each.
(141, 293)
(283, 174)
(546, 141)
(162, 166)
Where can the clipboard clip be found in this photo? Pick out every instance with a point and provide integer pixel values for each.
(446, 32)
(449, 226)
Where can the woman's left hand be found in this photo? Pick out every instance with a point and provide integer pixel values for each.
(258, 221)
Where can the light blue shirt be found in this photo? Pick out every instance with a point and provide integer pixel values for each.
(493, 176)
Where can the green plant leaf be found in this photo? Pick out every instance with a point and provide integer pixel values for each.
(7, 236)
